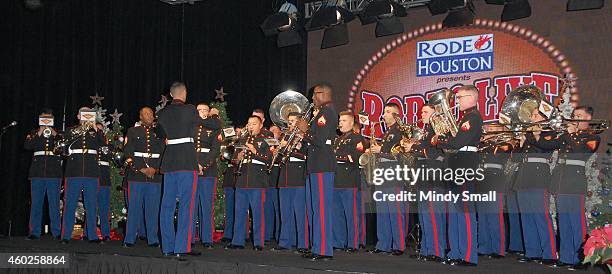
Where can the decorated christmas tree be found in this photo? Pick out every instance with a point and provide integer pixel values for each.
(221, 166)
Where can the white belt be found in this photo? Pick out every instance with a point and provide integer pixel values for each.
(203, 150)
(328, 142)
(572, 162)
(537, 160)
(469, 148)
(341, 162)
(439, 159)
(276, 165)
(43, 152)
(82, 151)
(253, 161)
(146, 155)
(492, 165)
(387, 160)
(103, 163)
(294, 159)
(180, 141)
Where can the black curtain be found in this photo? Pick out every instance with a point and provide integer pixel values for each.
(128, 52)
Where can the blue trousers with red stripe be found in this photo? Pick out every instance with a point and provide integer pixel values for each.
(345, 219)
(572, 226)
(179, 185)
(515, 233)
(491, 226)
(255, 199)
(432, 216)
(206, 192)
(462, 228)
(143, 197)
(228, 227)
(104, 210)
(390, 222)
(294, 226)
(72, 190)
(538, 233)
(361, 214)
(40, 186)
(319, 200)
(141, 227)
(272, 213)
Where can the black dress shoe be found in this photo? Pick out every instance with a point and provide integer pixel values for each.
(231, 246)
(308, 255)
(154, 245)
(207, 245)
(302, 251)
(352, 250)
(96, 241)
(577, 267)
(169, 254)
(33, 237)
(127, 245)
(559, 265)
(437, 259)
(377, 251)
(279, 249)
(528, 259)
(548, 262)
(64, 241)
(452, 261)
(465, 263)
(192, 253)
(142, 238)
(226, 240)
(397, 252)
(258, 248)
(495, 256)
(338, 249)
(316, 258)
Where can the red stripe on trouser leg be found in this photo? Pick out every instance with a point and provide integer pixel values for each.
(322, 212)
(434, 227)
(306, 232)
(190, 217)
(64, 209)
(551, 236)
(262, 221)
(31, 199)
(502, 231)
(468, 229)
(400, 223)
(212, 216)
(582, 220)
(355, 220)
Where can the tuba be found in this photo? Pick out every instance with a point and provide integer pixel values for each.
(280, 108)
(410, 133)
(442, 121)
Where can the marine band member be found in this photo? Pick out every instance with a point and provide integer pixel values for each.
(143, 149)
(45, 176)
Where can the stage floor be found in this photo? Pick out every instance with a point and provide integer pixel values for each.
(110, 257)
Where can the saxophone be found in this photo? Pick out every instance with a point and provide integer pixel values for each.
(369, 160)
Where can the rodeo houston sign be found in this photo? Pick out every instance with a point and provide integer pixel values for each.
(493, 56)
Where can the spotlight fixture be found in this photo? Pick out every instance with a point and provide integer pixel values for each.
(286, 24)
(459, 15)
(385, 13)
(333, 16)
(442, 6)
(575, 5)
(329, 14)
(515, 9)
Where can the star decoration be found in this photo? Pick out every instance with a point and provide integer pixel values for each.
(97, 99)
(220, 94)
(116, 115)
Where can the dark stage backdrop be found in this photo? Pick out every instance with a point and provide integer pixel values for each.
(129, 52)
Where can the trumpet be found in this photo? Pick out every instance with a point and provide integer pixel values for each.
(47, 132)
(61, 145)
(248, 140)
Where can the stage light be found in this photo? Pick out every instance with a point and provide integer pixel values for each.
(460, 15)
(286, 24)
(442, 6)
(575, 5)
(329, 14)
(336, 35)
(385, 13)
(515, 9)
(388, 26)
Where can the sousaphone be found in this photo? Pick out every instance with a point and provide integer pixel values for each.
(285, 103)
